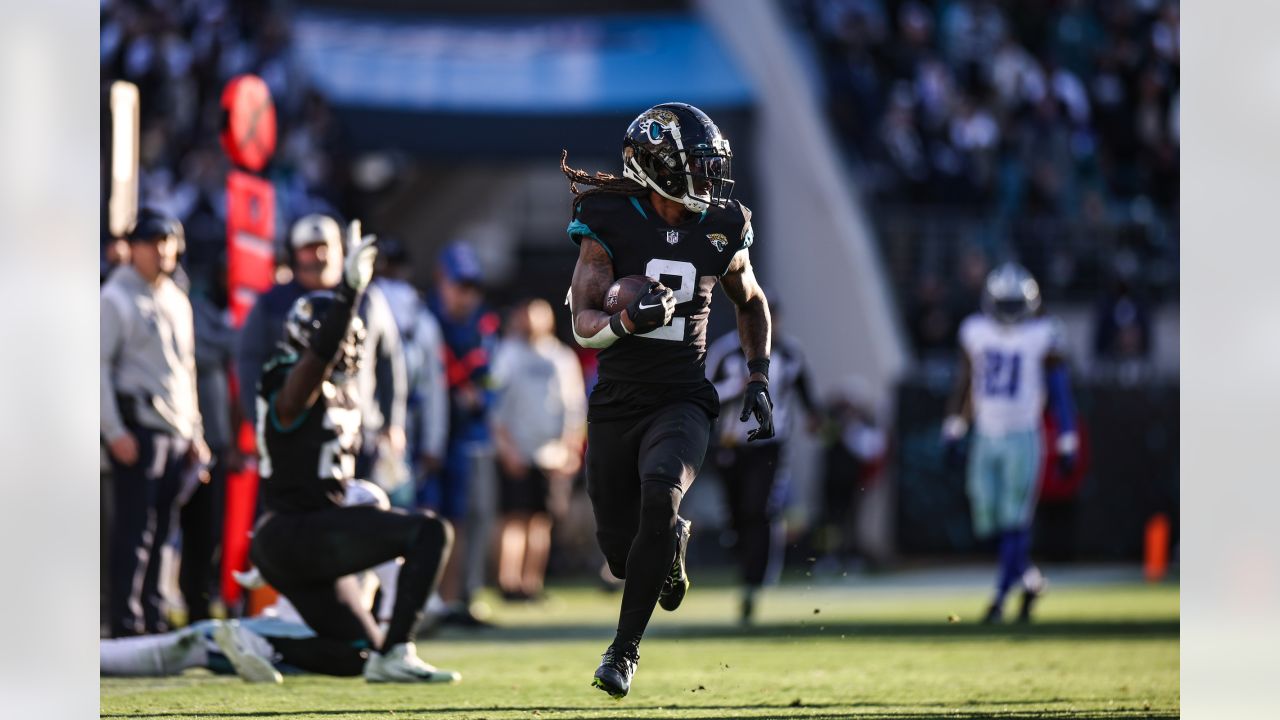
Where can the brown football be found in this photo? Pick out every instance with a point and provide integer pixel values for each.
(623, 291)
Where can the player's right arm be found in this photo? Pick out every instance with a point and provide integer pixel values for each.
(302, 385)
(592, 276)
(960, 405)
(120, 442)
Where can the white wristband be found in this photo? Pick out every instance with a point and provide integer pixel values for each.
(602, 339)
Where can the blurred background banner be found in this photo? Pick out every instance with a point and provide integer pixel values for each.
(495, 65)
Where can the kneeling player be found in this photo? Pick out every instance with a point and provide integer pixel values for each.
(261, 648)
(307, 544)
(1010, 360)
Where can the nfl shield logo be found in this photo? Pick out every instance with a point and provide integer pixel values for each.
(673, 237)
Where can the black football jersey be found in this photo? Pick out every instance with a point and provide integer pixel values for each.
(690, 258)
(306, 465)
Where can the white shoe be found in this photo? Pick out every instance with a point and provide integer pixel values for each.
(250, 579)
(249, 653)
(401, 664)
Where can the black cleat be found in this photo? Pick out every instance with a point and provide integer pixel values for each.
(1024, 610)
(677, 582)
(748, 610)
(1034, 586)
(617, 665)
(993, 616)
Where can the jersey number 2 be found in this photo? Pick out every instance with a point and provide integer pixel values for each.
(687, 275)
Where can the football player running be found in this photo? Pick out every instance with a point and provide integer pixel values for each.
(1010, 362)
(307, 544)
(669, 217)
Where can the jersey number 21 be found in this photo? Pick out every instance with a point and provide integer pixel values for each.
(1000, 373)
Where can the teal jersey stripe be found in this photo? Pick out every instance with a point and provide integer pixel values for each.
(275, 419)
(635, 202)
(578, 229)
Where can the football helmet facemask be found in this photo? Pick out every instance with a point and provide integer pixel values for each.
(1010, 294)
(304, 320)
(677, 151)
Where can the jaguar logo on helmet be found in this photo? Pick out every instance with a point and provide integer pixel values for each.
(718, 240)
(675, 150)
(655, 123)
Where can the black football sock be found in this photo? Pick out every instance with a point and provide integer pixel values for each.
(418, 578)
(649, 562)
(325, 656)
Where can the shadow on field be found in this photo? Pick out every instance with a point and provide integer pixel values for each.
(940, 630)
(862, 711)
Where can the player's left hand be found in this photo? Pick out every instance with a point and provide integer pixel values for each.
(1068, 446)
(357, 268)
(756, 401)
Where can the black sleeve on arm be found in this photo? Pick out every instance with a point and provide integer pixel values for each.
(302, 385)
(334, 327)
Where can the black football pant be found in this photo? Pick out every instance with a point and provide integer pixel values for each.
(750, 473)
(201, 523)
(310, 558)
(637, 473)
(144, 497)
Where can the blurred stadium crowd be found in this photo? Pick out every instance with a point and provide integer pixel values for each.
(978, 130)
(181, 55)
(1046, 131)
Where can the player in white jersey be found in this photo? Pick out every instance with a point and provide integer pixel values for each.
(1011, 363)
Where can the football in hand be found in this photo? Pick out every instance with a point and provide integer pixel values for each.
(623, 291)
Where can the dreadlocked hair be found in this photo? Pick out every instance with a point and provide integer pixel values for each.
(601, 182)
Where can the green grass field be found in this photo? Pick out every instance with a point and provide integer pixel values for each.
(875, 650)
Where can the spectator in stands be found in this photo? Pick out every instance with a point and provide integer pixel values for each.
(464, 490)
(1122, 325)
(427, 413)
(316, 245)
(539, 427)
(181, 55)
(150, 416)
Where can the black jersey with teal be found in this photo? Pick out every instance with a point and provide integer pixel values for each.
(639, 372)
(305, 465)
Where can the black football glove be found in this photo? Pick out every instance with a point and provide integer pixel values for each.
(653, 309)
(954, 453)
(757, 402)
